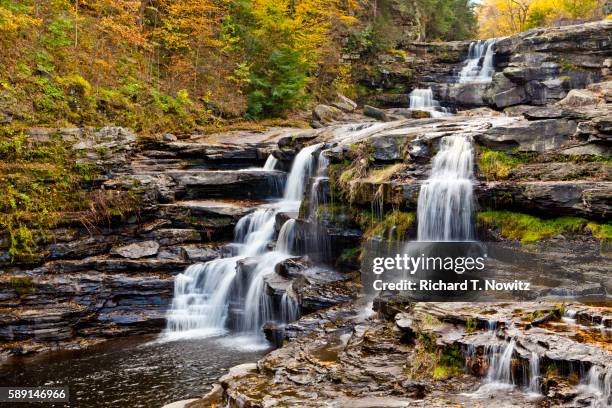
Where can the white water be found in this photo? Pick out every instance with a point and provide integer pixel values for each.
(479, 63)
(271, 163)
(598, 384)
(286, 237)
(445, 206)
(534, 373)
(422, 99)
(499, 375)
(202, 293)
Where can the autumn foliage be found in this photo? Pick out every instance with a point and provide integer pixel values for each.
(164, 64)
(505, 17)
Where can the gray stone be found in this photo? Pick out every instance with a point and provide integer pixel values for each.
(137, 250)
(529, 136)
(375, 113)
(578, 98)
(343, 103)
(326, 114)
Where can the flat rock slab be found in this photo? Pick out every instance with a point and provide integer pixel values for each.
(229, 183)
(137, 250)
(231, 208)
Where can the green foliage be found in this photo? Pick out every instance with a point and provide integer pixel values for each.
(394, 226)
(527, 228)
(39, 181)
(450, 364)
(448, 19)
(471, 325)
(496, 164)
(278, 85)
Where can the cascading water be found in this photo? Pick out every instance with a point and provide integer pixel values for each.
(202, 294)
(445, 206)
(479, 63)
(534, 373)
(422, 99)
(499, 374)
(271, 163)
(598, 383)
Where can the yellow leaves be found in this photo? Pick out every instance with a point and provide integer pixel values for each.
(13, 22)
(505, 17)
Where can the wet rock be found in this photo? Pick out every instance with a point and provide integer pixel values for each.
(540, 113)
(292, 268)
(137, 250)
(200, 253)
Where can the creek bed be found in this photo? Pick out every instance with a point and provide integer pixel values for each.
(129, 372)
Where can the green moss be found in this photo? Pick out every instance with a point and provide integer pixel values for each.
(450, 364)
(394, 226)
(350, 254)
(471, 325)
(496, 165)
(527, 228)
(22, 285)
(601, 231)
(40, 182)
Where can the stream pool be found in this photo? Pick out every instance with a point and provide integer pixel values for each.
(129, 372)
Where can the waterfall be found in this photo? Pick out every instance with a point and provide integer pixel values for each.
(422, 99)
(598, 383)
(271, 163)
(289, 310)
(445, 205)
(303, 167)
(500, 364)
(286, 237)
(202, 294)
(499, 374)
(479, 63)
(534, 373)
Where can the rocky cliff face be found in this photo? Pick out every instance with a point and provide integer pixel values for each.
(536, 67)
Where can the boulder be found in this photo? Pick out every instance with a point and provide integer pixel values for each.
(579, 97)
(326, 114)
(375, 113)
(344, 104)
(528, 136)
(137, 250)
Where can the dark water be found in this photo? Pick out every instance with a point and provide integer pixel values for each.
(129, 372)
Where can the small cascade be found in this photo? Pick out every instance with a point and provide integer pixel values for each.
(271, 163)
(445, 205)
(534, 373)
(286, 237)
(303, 167)
(203, 293)
(317, 196)
(422, 99)
(598, 383)
(289, 310)
(499, 374)
(500, 364)
(478, 67)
